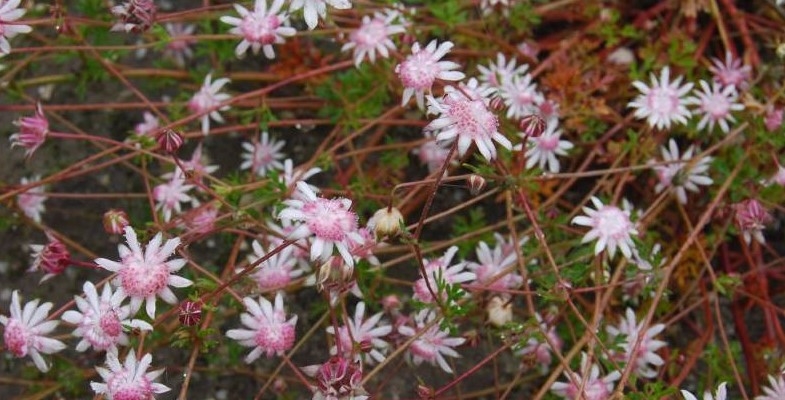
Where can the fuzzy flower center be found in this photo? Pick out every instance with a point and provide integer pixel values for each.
(419, 71)
(16, 336)
(329, 219)
(548, 143)
(471, 116)
(716, 105)
(274, 336)
(202, 101)
(123, 386)
(142, 279)
(612, 222)
(370, 35)
(258, 29)
(425, 348)
(110, 323)
(662, 101)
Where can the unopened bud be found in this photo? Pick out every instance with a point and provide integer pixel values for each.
(115, 221)
(386, 222)
(169, 140)
(425, 392)
(499, 311)
(190, 312)
(497, 104)
(335, 275)
(476, 184)
(532, 125)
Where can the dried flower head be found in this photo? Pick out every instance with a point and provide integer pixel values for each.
(135, 16)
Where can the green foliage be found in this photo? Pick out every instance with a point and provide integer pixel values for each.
(353, 95)
(448, 12)
(653, 390)
(523, 17)
(466, 224)
(726, 285)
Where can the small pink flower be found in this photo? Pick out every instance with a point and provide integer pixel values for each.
(130, 380)
(115, 221)
(720, 394)
(259, 28)
(197, 166)
(610, 226)
(169, 195)
(779, 177)
(207, 100)
(521, 96)
(51, 258)
(541, 349)
(502, 72)
(26, 329)
(464, 116)
(179, 48)
(544, 148)
(773, 119)
(681, 172)
(263, 156)
(432, 153)
(731, 72)
(32, 130)
(149, 126)
(336, 379)
(492, 269)
(277, 271)
(433, 344)
(594, 387)
(645, 353)
(202, 219)
(663, 103)
(270, 332)
(751, 218)
(421, 69)
(135, 16)
(144, 275)
(291, 176)
(716, 104)
(488, 6)
(313, 9)
(440, 270)
(775, 390)
(363, 334)
(31, 202)
(9, 13)
(374, 36)
(330, 221)
(101, 319)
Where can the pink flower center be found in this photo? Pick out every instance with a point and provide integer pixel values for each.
(612, 222)
(662, 101)
(16, 336)
(424, 348)
(122, 386)
(273, 277)
(548, 143)
(471, 116)
(258, 29)
(202, 100)
(419, 70)
(110, 323)
(275, 337)
(717, 106)
(329, 219)
(370, 35)
(142, 279)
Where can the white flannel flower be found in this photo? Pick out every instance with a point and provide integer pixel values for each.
(313, 9)
(662, 104)
(680, 173)
(610, 226)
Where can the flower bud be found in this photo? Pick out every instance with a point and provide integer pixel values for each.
(32, 131)
(499, 311)
(134, 16)
(476, 184)
(532, 125)
(115, 221)
(190, 312)
(497, 104)
(51, 258)
(751, 218)
(169, 140)
(386, 222)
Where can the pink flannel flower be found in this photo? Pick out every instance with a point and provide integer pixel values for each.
(778, 178)
(129, 380)
(440, 270)
(337, 379)
(32, 131)
(720, 394)
(773, 119)
(135, 16)
(662, 104)
(270, 332)
(544, 148)
(148, 127)
(259, 28)
(277, 271)
(26, 329)
(751, 218)
(290, 176)
(421, 69)
(775, 390)
(360, 336)
(716, 104)
(207, 102)
(9, 13)
(31, 201)
(101, 319)
(492, 269)
(374, 36)
(541, 349)
(169, 195)
(731, 72)
(433, 153)
(313, 9)
(330, 222)
(202, 220)
(644, 356)
(610, 226)
(464, 116)
(197, 166)
(521, 96)
(594, 387)
(681, 172)
(501, 73)
(144, 275)
(179, 47)
(262, 156)
(433, 344)
(51, 258)
(488, 6)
